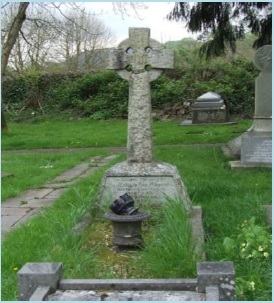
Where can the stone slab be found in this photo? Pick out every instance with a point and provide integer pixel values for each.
(40, 294)
(27, 195)
(34, 203)
(8, 221)
(72, 173)
(61, 185)
(14, 211)
(30, 214)
(256, 148)
(73, 295)
(56, 193)
(144, 182)
(238, 165)
(129, 284)
(197, 229)
(5, 174)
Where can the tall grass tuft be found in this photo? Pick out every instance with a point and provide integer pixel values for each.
(170, 253)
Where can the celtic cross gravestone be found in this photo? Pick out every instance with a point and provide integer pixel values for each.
(140, 60)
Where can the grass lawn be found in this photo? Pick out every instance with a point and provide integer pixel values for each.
(34, 170)
(229, 199)
(92, 133)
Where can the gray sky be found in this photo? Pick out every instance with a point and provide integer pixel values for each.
(152, 17)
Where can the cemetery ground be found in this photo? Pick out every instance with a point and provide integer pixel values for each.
(234, 220)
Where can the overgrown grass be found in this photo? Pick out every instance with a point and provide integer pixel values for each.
(171, 250)
(93, 133)
(33, 170)
(227, 199)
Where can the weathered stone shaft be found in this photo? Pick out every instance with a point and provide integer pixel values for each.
(139, 141)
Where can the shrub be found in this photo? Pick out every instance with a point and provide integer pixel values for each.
(251, 250)
(104, 95)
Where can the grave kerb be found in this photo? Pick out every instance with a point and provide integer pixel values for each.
(212, 277)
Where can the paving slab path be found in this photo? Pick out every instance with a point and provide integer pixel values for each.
(17, 210)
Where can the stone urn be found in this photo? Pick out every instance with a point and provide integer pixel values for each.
(127, 229)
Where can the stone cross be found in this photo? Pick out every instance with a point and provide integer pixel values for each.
(140, 60)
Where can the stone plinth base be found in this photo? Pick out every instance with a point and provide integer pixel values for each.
(238, 165)
(262, 124)
(256, 148)
(209, 115)
(146, 182)
(190, 123)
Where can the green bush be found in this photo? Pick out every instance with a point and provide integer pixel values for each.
(104, 94)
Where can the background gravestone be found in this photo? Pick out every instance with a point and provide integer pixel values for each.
(209, 108)
(255, 146)
(140, 60)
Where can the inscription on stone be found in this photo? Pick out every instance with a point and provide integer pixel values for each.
(143, 187)
(260, 153)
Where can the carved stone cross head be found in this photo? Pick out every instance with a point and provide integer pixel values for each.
(139, 53)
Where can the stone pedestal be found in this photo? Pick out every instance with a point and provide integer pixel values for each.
(209, 108)
(145, 182)
(127, 229)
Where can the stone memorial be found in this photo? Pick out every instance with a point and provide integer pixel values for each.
(256, 144)
(209, 108)
(140, 60)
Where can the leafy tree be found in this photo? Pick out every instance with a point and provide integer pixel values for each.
(225, 22)
(11, 33)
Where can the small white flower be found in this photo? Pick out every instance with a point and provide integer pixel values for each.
(47, 166)
(252, 285)
(260, 248)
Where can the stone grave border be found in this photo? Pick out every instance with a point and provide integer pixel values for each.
(216, 280)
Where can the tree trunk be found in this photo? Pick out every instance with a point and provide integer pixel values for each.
(8, 45)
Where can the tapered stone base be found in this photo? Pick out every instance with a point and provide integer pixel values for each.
(146, 182)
